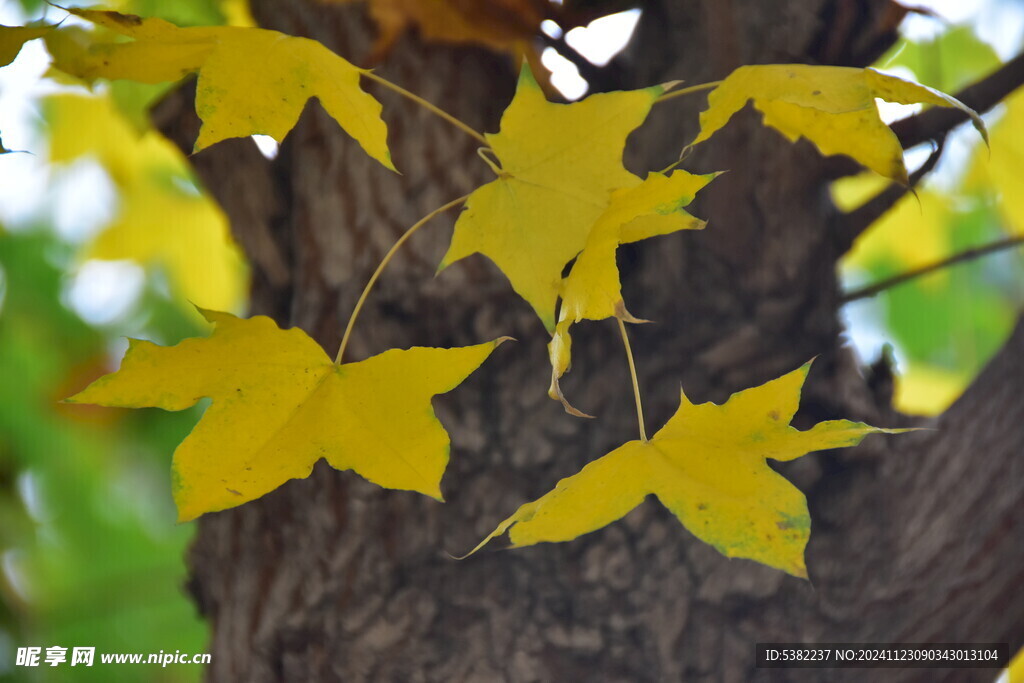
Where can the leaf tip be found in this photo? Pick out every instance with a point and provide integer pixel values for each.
(526, 76)
(668, 85)
(625, 316)
(555, 392)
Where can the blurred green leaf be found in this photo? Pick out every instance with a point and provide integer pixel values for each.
(954, 59)
(96, 556)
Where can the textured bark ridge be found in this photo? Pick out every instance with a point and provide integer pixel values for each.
(916, 538)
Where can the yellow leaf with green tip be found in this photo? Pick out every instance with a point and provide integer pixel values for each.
(592, 291)
(559, 165)
(708, 466)
(12, 38)
(251, 80)
(832, 106)
(279, 405)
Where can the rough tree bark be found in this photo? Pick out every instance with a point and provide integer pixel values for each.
(916, 538)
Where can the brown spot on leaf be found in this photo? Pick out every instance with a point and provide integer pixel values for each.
(125, 19)
(773, 414)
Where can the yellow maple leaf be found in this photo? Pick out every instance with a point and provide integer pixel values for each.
(157, 222)
(251, 80)
(280, 405)
(708, 466)
(1015, 672)
(12, 38)
(559, 165)
(1001, 168)
(832, 106)
(592, 291)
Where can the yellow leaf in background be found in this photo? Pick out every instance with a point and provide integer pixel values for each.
(280, 405)
(926, 389)
(92, 126)
(1001, 166)
(708, 466)
(237, 13)
(559, 166)
(187, 234)
(1015, 672)
(592, 291)
(159, 221)
(250, 80)
(915, 232)
(12, 38)
(832, 106)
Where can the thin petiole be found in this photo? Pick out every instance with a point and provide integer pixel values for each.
(687, 91)
(384, 262)
(636, 384)
(428, 106)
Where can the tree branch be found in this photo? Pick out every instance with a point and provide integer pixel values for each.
(967, 255)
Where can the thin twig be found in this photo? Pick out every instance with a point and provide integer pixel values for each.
(466, 128)
(672, 94)
(636, 384)
(966, 255)
(380, 269)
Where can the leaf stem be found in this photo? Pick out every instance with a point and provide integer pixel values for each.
(383, 264)
(466, 128)
(687, 91)
(966, 255)
(636, 384)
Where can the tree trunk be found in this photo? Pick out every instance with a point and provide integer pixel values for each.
(916, 538)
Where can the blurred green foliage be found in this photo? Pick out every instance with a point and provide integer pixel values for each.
(91, 553)
(947, 325)
(949, 62)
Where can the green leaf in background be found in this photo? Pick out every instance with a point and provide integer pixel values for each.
(946, 324)
(92, 554)
(948, 63)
